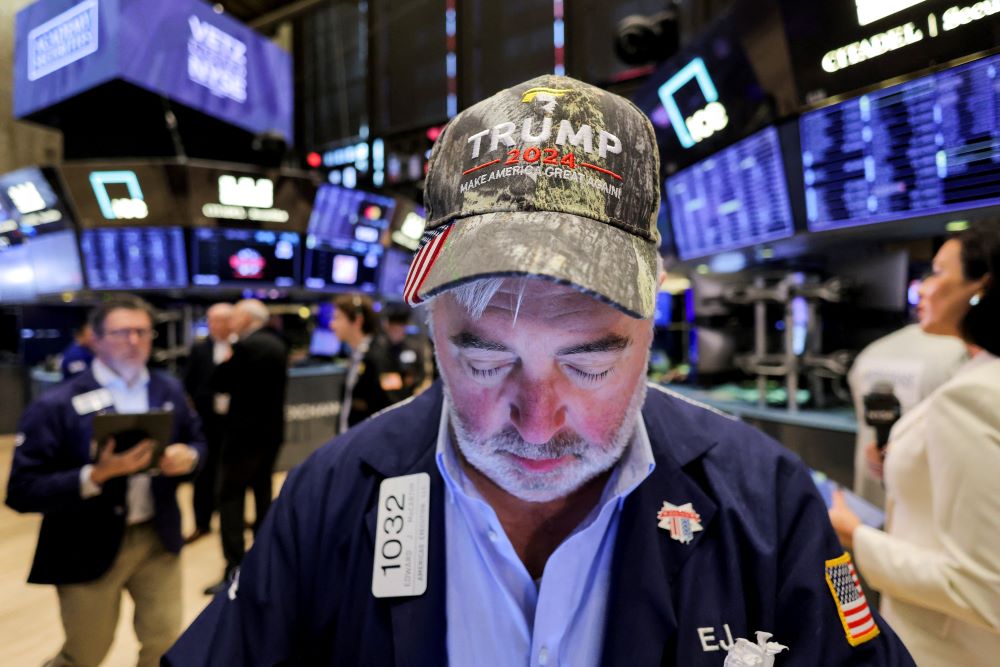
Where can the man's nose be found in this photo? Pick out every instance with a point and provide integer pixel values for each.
(537, 412)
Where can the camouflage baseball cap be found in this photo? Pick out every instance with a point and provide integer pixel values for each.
(551, 178)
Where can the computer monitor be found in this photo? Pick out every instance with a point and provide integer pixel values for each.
(236, 257)
(344, 241)
(734, 199)
(395, 267)
(918, 148)
(134, 258)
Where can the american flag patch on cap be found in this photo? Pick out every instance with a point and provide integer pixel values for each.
(852, 607)
(430, 246)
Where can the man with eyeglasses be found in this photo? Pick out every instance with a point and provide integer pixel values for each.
(110, 522)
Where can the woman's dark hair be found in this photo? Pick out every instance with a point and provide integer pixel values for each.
(355, 306)
(981, 257)
(123, 302)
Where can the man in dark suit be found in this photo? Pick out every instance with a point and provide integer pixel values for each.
(107, 525)
(211, 407)
(255, 377)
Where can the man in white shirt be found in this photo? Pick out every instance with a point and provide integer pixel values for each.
(212, 407)
(111, 523)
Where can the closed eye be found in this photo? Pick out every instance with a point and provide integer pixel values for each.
(591, 377)
(487, 372)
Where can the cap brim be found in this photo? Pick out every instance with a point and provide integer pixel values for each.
(598, 259)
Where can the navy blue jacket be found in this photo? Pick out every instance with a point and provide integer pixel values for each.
(303, 596)
(79, 539)
(76, 359)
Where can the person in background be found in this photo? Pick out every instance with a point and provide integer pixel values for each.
(80, 353)
(255, 378)
(369, 377)
(107, 526)
(915, 363)
(937, 563)
(407, 354)
(543, 505)
(212, 407)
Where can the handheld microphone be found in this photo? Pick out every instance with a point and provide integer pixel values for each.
(882, 410)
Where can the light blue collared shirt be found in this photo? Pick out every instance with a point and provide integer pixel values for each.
(127, 399)
(497, 614)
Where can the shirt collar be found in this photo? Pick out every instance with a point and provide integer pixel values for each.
(106, 377)
(636, 464)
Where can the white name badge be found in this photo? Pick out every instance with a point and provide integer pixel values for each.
(92, 401)
(400, 567)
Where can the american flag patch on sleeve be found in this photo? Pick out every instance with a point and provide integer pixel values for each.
(852, 607)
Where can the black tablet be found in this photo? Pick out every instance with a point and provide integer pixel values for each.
(128, 430)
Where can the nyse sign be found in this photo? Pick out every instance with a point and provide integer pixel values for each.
(217, 60)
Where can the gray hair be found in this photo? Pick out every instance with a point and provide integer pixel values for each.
(255, 309)
(221, 309)
(476, 295)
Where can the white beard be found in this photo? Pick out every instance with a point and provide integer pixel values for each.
(490, 455)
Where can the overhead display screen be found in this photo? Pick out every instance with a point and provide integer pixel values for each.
(837, 46)
(244, 257)
(253, 200)
(17, 278)
(30, 196)
(109, 195)
(734, 199)
(343, 246)
(342, 217)
(931, 145)
(720, 87)
(134, 258)
(37, 221)
(182, 49)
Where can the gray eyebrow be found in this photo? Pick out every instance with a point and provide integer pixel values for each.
(465, 339)
(610, 343)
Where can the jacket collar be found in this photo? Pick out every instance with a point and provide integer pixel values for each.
(158, 390)
(419, 623)
(647, 561)
(418, 428)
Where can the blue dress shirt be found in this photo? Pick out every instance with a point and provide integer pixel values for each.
(497, 614)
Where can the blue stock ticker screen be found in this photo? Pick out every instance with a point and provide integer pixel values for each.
(134, 258)
(734, 199)
(927, 146)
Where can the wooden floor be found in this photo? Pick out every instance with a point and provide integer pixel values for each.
(30, 631)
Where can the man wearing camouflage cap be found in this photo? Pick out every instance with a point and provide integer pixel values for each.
(541, 506)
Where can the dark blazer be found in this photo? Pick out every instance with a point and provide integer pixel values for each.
(368, 396)
(303, 596)
(255, 378)
(79, 538)
(198, 383)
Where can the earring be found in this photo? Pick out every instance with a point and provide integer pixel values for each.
(974, 300)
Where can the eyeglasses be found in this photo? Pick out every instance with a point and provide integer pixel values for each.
(126, 333)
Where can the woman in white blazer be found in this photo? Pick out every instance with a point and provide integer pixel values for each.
(937, 564)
